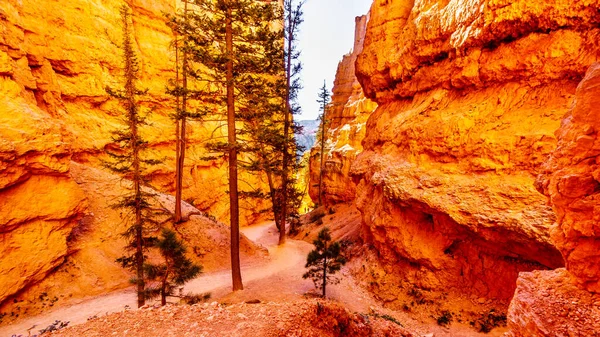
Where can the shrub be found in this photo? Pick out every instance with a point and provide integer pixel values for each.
(445, 318)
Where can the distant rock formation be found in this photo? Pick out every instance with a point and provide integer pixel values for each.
(307, 138)
(346, 118)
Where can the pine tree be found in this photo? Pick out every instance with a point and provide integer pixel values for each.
(324, 96)
(324, 261)
(180, 119)
(232, 42)
(126, 158)
(175, 270)
(292, 21)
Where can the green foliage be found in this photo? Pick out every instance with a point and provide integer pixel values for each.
(196, 298)
(324, 99)
(445, 318)
(257, 52)
(175, 269)
(489, 320)
(261, 80)
(57, 325)
(386, 317)
(324, 261)
(125, 157)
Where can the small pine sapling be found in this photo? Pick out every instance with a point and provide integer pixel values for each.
(175, 270)
(324, 261)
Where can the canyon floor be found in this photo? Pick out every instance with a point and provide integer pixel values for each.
(274, 281)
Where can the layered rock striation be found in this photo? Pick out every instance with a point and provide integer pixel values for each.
(39, 202)
(346, 118)
(469, 95)
(567, 302)
(56, 59)
(60, 57)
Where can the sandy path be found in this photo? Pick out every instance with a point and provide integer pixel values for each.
(277, 277)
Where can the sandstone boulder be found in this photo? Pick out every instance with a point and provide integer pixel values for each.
(549, 303)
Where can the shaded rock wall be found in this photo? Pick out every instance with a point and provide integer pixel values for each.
(345, 129)
(549, 303)
(470, 94)
(567, 302)
(571, 179)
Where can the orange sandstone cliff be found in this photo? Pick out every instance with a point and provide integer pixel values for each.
(56, 58)
(469, 96)
(567, 302)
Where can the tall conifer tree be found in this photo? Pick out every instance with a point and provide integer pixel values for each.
(292, 20)
(324, 96)
(126, 158)
(229, 41)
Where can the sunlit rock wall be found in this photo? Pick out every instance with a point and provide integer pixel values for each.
(470, 94)
(39, 202)
(56, 58)
(62, 55)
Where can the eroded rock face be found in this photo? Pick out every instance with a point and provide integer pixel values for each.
(90, 246)
(39, 202)
(470, 94)
(462, 44)
(549, 303)
(567, 302)
(346, 119)
(56, 58)
(571, 180)
(61, 56)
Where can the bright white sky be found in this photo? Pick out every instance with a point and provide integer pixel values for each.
(326, 35)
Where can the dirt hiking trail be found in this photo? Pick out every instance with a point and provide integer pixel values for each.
(275, 278)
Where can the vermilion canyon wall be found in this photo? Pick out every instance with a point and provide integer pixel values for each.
(56, 58)
(566, 302)
(469, 96)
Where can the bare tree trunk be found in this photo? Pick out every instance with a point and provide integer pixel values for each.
(272, 192)
(177, 138)
(181, 137)
(322, 157)
(236, 274)
(324, 275)
(286, 127)
(163, 294)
